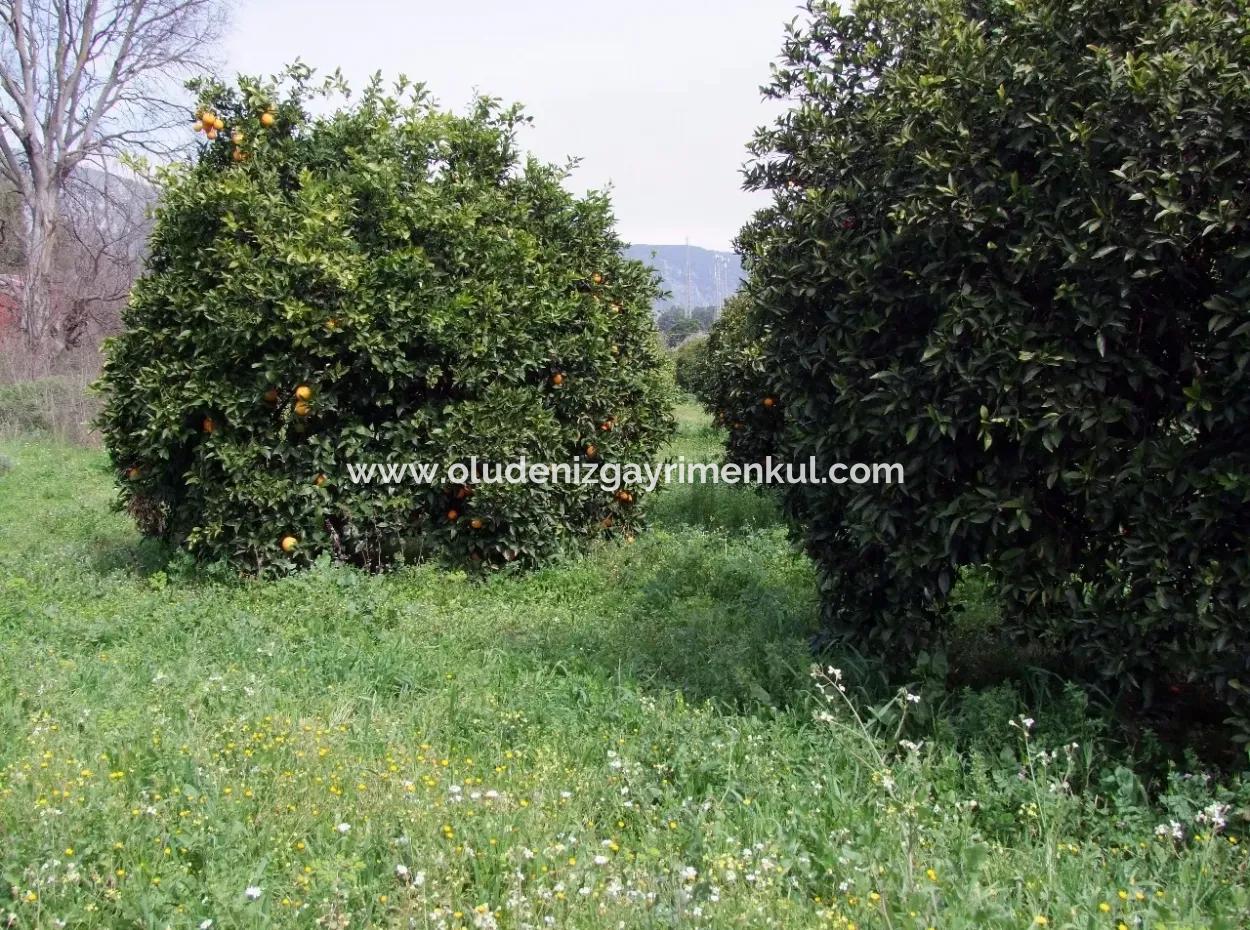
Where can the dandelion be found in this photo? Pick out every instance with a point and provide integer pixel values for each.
(344, 828)
(689, 873)
(252, 892)
(1040, 920)
(601, 860)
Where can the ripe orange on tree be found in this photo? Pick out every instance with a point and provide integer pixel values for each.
(289, 543)
(207, 425)
(557, 379)
(452, 515)
(476, 523)
(320, 480)
(266, 119)
(769, 401)
(302, 408)
(303, 392)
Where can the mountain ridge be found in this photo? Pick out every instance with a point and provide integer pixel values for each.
(693, 276)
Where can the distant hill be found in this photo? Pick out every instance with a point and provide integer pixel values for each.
(694, 277)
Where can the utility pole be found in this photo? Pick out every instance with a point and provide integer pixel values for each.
(689, 288)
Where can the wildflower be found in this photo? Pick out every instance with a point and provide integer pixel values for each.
(1104, 907)
(252, 892)
(1172, 828)
(206, 924)
(601, 860)
(401, 872)
(1040, 920)
(1215, 814)
(912, 698)
(689, 873)
(344, 828)
(931, 874)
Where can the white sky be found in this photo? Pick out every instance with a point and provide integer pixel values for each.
(658, 97)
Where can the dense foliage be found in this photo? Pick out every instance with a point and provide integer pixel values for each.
(1010, 248)
(736, 386)
(690, 364)
(388, 283)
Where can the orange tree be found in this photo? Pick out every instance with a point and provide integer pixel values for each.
(1009, 248)
(737, 387)
(388, 283)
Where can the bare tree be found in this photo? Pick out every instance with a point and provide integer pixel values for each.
(82, 82)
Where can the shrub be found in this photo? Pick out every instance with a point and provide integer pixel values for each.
(1009, 247)
(690, 364)
(737, 389)
(389, 283)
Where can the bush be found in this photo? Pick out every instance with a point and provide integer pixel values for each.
(1010, 248)
(737, 389)
(690, 364)
(390, 283)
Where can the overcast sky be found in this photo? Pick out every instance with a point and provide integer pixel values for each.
(658, 97)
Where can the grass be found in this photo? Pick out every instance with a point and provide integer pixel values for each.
(631, 739)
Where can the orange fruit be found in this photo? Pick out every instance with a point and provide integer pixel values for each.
(320, 480)
(238, 155)
(624, 497)
(208, 425)
(212, 134)
(236, 137)
(591, 450)
(289, 543)
(198, 125)
(266, 119)
(303, 392)
(557, 379)
(302, 408)
(476, 523)
(270, 396)
(452, 514)
(607, 425)
(596, 278)
(769, 401)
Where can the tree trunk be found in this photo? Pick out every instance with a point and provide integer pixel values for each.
(37, 323)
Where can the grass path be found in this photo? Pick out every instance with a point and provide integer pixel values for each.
(626, 740)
